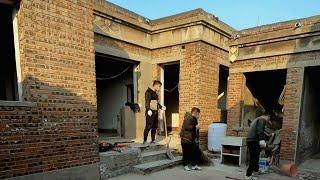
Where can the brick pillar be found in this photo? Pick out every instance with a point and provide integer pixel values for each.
(199, 80)
(291, 113)
(189, 80)
(234, 101)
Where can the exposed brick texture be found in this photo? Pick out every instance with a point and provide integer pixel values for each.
(199, 79)
(57, 62)
(291, 113)
(170, 51)
(58, 129)
(234, 102)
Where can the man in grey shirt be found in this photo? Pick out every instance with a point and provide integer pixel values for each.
(256, 140)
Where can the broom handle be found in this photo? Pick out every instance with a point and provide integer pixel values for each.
(165, 123)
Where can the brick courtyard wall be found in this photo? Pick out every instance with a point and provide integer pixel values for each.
(58, 128)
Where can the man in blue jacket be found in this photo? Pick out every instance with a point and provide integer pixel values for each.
(255, 141)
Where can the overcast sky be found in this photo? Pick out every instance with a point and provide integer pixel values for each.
(240, 14)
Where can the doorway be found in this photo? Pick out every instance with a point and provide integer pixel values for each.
(115, 91)
(262, 93)
(171, 74)
(309, 127)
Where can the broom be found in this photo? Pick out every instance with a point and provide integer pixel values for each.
(168, 152)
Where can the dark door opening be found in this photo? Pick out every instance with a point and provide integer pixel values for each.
(263, 90)
(171, 95)
(223, 92)
(8, 74)
(309, 130)
(114, 86)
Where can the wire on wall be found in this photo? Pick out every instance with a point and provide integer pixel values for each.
(171, 90)
(115, 76)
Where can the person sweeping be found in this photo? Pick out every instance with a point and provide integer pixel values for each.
(190, 140)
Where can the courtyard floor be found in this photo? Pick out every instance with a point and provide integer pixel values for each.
(216, 172)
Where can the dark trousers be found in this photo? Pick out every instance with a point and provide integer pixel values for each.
(190, 154)
(254, 151)
(151, 124)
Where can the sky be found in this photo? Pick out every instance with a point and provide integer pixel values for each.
(240, 14)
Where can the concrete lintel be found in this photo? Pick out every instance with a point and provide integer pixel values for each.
(165, 60)
(280, 29)
(86, 172)
(298, 63)
(98, 30)
(270, 54)
(193, 40)
(281, 35)
(224, 62)
(121, 54)
(152, 46)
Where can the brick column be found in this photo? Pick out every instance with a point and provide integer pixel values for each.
(234, 101)
(189, 80)
(291, 113)
(199, 80)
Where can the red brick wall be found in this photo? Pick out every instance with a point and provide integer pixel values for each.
(234, 101)
(199, 79)
(57, 62)
(165, 52)
(291, 113)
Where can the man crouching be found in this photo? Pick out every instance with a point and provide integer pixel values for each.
(190, 140)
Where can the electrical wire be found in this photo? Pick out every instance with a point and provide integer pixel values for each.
(171, 90)
(115, 76)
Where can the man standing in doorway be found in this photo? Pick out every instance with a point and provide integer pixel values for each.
(152, 108)
(190, 140)
(256, 141)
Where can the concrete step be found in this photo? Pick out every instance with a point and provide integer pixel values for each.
(151, 156)
(147, 168)
(150, 147)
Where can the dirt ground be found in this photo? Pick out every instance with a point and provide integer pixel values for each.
(218, 172)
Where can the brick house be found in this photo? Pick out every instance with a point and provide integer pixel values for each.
(70, 66)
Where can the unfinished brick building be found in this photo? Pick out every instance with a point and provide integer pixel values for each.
(60, 80)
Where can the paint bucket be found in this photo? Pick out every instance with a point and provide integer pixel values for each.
(289, 170)
(263, 165)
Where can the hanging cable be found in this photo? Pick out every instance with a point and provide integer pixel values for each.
(113, 77)
(171, 90)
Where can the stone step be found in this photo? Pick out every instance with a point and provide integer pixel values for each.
(147, 168)
(150, 147)
(151, 156)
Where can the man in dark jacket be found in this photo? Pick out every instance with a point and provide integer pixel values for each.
(190, 140)
(152, 106)
(255, 141)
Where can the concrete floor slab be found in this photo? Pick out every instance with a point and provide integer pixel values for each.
(218, 172)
